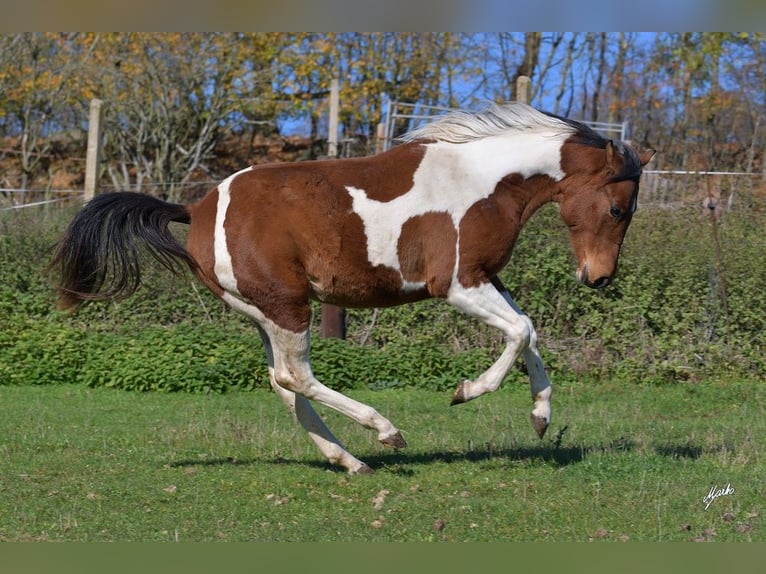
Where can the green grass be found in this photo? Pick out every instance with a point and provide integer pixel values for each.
(634, 463)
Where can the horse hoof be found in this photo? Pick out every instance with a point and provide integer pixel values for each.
(459, 396)
(364, 469)
(396, 440)
(539, 424)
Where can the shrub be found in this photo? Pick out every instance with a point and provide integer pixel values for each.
(673, 314)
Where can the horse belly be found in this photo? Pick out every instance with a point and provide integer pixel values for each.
(359, 287)
(347, 265)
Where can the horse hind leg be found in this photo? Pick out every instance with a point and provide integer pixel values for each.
(318, 432)
(292, 371)
(312, 423)
(292, 379)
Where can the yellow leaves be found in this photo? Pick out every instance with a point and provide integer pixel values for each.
(88, 93)
(48, 80)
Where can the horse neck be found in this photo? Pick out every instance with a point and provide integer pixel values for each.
(538, 194)
(522, 197)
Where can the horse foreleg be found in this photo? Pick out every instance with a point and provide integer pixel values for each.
(493, 305)
(312, 423)
(539, 384)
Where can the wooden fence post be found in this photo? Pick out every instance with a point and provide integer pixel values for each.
(522, 89)
(332, 129)
(92, 156)
(333, 317)
(380, 138)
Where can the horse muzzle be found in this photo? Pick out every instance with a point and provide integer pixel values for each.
(584, 277)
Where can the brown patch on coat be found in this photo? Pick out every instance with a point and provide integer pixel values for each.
(426, 251)
(383, 177)
(292, 235)
(490, 227)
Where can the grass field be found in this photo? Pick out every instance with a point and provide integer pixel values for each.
(620, 463)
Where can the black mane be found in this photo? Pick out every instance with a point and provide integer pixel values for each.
(585, 135)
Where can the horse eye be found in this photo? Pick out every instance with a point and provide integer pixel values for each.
(615, 212)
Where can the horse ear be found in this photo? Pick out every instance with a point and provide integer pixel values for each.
(646, 155)
(611, 165)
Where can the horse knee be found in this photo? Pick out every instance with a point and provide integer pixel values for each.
(531, 333)
(524, 333)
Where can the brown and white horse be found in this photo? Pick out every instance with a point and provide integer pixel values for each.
(436, 216)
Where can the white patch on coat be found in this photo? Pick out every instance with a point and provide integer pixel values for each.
(450, 179)
(224, 270)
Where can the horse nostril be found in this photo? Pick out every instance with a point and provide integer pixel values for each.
(601, 282)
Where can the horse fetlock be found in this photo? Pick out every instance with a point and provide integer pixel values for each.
(362, 469)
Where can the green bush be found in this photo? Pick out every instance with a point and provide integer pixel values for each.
(673, 314)
(204, 359)
(38, 352)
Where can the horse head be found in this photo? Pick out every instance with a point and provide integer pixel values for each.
(597, 199)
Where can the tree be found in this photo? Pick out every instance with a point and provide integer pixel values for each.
(38, 74)
(416, 68)
(168, 100)
(566, 81)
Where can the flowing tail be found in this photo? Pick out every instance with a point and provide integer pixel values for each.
(98, 256)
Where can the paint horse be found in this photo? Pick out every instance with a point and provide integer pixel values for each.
(436, 216)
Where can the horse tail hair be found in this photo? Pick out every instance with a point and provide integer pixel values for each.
(98, 256)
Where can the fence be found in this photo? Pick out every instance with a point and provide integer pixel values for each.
(664, 187)
(17, 198)
(13, 199)
(674, 188)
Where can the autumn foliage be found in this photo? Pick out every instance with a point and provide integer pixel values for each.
(186, 107)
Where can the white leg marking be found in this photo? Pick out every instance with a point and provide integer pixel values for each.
(318, 432)
(488, 305)
(499, 310)
(290, 369)
(328, 445)
(539, 384)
